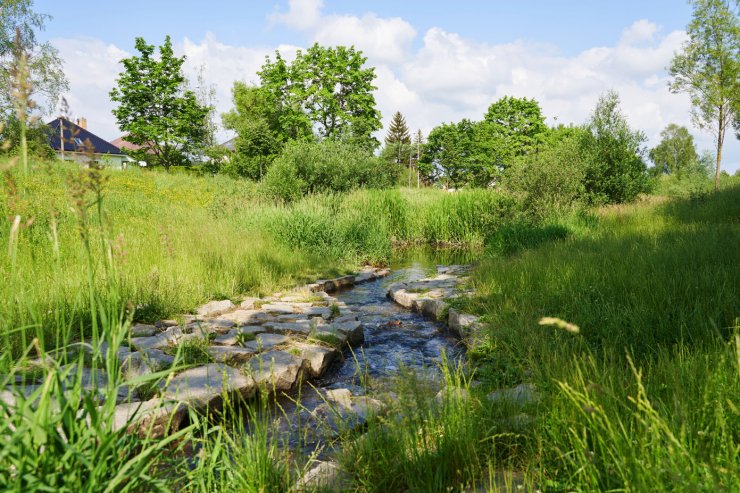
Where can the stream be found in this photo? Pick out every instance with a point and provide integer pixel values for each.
(396, 340)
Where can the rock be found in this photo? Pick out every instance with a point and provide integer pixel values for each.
(235, 336)
(353, 330)
(364, 276)
(453, 269)
(317, 358)
(167, 323)
(219, 326)
(431, 308)
(246, 317)
(159, 341)
(248, 303)
(278, 308)
(145, 363)
(461, 323)
(398, 293)
(325, 476)
(264, 342)
(331, 335)
(293, 317)
(204, 386)
(276, 370)
(153, 418)
(230, 355)
(317, 311)
(301, 327)
(522, 394)
(214, 308)
(343, 411)
(143, 330)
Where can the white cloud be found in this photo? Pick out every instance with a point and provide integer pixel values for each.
(446, 78)
(91, 67)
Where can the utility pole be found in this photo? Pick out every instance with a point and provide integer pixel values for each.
(418, 158)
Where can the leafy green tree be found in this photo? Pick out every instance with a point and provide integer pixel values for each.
(326, 89)
(676, 150)
(460, 153)
(615, 170)
(19, 25)
(708, 69)
(256, 120)
(157, 110)
(398, 140)
(517, 125)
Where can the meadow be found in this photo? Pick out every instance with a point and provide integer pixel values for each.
(644, 397)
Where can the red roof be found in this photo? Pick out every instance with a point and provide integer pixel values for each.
(122, 143)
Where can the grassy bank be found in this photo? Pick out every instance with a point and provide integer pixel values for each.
(645, 396)
(172, 241)
(642, 398)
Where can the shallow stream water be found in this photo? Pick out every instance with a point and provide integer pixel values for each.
(396, 340)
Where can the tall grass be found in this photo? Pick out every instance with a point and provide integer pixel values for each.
(181, 240)
(645, 397)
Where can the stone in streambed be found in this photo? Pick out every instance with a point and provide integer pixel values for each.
(214, 308)
(204, 386)
(276, 370)
(264, 342)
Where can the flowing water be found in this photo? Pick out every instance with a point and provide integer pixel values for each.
(396, 339)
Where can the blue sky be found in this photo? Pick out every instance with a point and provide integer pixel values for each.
(436, 61)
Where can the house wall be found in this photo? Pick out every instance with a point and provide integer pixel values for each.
(114, 161)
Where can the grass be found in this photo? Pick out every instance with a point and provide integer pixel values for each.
(174, 241)
(642, 398)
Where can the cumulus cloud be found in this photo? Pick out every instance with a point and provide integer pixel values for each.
(445, 78)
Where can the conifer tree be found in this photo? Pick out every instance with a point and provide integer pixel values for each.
(398, 139)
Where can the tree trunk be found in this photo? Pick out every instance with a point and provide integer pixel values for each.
(720, 140)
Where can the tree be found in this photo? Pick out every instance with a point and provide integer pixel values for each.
(462, 153)
(18, 27)
(327, 90)
(615, 170)
(708, 68)
(517, 125)
(398, 139)
(256, 121)
(156, 109)
(676, 151)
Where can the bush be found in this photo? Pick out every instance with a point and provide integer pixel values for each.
(551, 180)
(328, 166)
(615, 171)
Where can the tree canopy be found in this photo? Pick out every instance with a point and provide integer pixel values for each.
(676, 150)
(708, 69)
(326, 90)
(517, 124)
(156, 109)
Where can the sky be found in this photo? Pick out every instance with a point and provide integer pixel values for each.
(436, 61)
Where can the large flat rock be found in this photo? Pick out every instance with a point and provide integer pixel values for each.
(276, 370)
(204, 386)
(213, 308)
(317, 359)
(231, 355)
(264, 342)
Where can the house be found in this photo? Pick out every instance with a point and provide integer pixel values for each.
(124, 145)
(74, 142)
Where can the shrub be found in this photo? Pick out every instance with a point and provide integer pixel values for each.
(327, 166)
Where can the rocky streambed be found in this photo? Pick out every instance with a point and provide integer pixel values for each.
(307, 354)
